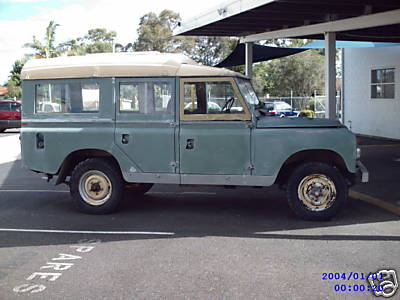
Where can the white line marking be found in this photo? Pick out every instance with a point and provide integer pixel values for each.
(198, 193)
(38, 191)
(85, 231)
(184, 193)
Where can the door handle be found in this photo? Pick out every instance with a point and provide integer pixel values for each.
(125, 139)
(189, 144)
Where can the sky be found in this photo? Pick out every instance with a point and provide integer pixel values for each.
(21, 19)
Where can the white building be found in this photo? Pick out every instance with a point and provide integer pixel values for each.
(372, 91)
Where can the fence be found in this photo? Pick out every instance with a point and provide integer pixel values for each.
(316, 103)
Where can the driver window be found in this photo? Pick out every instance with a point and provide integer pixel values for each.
(216, 97)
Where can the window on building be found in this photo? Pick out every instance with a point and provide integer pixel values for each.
(382, 83)
(67, 98)
(146, 97)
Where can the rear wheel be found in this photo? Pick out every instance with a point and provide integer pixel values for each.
(97, 186)
(316, 191)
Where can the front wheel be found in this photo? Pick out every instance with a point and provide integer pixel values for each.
(96, 186)
(316, 191)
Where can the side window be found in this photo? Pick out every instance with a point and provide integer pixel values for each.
(4, 106)
(211, 97)
(15, 106)
(146, 97)
(77, 97)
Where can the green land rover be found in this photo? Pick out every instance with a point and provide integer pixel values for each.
(105, 123)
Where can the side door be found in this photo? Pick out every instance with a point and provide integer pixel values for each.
(145, 127)
(214, 136)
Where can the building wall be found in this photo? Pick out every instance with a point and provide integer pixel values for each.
(364, 115)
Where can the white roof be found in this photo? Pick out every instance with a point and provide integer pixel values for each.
(135, 64)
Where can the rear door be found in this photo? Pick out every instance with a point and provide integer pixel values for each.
(145, 124)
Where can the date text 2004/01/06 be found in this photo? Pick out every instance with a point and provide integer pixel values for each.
(352, 276)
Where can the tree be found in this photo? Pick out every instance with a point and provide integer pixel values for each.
(99, 40)
(210, 50)
(47, 48)
(14, 83)
(155, 33)
(302, 74)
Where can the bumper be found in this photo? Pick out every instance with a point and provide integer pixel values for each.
(10, 124)
(362, 172)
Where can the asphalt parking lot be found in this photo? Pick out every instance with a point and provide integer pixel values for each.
(192, 243)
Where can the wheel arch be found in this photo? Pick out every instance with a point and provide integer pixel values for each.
(75, 157)
(314, 155)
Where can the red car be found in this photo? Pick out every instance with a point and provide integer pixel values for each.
(10, 114)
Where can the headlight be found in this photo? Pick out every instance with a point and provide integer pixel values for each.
(358, 153)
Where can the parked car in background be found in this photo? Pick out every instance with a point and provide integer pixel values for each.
(280, 109)
(10, 114)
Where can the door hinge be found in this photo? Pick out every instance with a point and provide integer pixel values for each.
(250, 167)
(250, 125)
(173, 124)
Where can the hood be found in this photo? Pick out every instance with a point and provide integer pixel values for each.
(275, 122)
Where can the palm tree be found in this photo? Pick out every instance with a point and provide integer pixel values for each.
(46, 49)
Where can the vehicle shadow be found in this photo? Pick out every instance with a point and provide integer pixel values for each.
(182, 211)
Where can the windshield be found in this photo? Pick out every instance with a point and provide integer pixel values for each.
(247, 91)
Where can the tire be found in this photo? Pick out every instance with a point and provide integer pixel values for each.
(2, 130)
(97, 186)
(316, 191)
(138, 189)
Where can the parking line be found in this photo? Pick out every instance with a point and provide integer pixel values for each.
(375, 201)
(86, 231)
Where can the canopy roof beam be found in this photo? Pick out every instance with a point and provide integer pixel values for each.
(368, 21)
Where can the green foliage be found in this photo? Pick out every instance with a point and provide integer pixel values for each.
(97, 40)
(210, 50)
(155, 33)
(14, 90)
(302, 74)
(46, 48)
(14, 83)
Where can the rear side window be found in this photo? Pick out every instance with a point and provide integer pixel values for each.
(4, 106)
(76, 97)
(146, 97)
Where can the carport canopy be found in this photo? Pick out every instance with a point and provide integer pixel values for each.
(256, 20)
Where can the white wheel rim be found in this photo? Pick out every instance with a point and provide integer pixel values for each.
(95, 187)
(317, 192)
